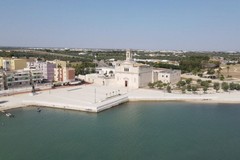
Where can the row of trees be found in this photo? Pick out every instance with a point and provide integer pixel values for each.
(160, 85)
(205, 85)
(84, 68)
(186, 85)
(193, 63)
(44, 56)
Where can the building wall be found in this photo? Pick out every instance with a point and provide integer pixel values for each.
(106, 71)
(16, 79)
(1, 81)
(64, 74)
(63, 64)
(70, 74)
(130, 80)
(98, 79)
(175, 77)
(58, 74)
(50, 71)
(6, 64)
(166, 76)
(21, 78)
(47, 69)
(12, 64)
(1, 62)
(145, 78)
(17, 64)
(133, 75)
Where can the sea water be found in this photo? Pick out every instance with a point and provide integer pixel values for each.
(141, 131)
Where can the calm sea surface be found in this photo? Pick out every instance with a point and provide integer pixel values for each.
(132, 131)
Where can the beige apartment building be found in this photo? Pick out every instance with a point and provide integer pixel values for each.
(62, 64)
(17, 64)
(64, 74)
(11, 64)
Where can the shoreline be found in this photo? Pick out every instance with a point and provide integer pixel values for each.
(194, 101)
(96, 99)
(134, 101)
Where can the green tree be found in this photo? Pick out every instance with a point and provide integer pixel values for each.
(181, 83)
(183, 89)
(165, 84)
(222, 78)
(194, 89)
(225, 86)
(205, 88)
(159, 84)
(189, 88)
(169, 89)
(205, 84)
(210, 71)
(228, 68)
(151, 85)
(216, 86)
(219, 72)
(189, 80)
(238, 87)
(199, 81)
(232, 86)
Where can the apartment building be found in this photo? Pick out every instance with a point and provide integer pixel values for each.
(1, 80)
(17, 64)
(47, 69)
(21, 78)
(11, 64)
(64, 74)
(59, 63)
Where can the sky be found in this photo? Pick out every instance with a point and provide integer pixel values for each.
(209, 25)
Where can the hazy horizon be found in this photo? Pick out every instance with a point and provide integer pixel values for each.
(35, 47)
(153, 25)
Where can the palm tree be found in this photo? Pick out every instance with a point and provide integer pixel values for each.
(219, 71)
(228, 67)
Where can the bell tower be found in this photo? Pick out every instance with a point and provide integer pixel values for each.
(128, 55)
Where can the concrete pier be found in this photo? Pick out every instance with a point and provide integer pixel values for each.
(88, 98)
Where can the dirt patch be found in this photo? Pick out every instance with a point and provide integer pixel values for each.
(234, 70)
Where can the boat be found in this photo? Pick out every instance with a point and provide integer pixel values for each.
(9, 115)
(39, 110)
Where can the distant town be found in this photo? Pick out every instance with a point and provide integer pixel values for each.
(172, 71)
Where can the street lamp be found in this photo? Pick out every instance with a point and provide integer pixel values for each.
(95, 96)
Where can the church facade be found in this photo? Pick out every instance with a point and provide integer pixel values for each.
(131, 74)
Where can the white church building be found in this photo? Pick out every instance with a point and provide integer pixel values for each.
(131, 74)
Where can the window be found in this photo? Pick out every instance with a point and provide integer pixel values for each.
(126, 69)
